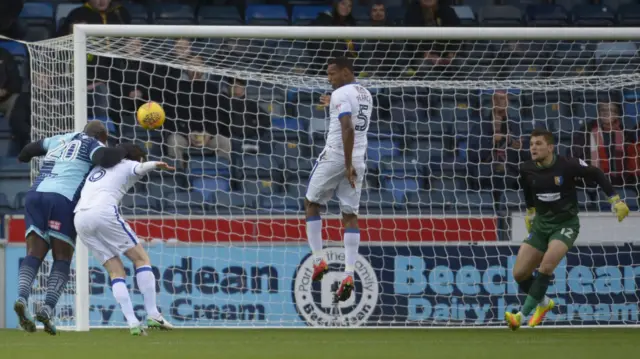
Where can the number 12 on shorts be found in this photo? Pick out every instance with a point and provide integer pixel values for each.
(567, 232)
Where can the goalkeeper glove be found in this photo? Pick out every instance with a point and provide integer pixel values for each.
(528, 218)
(619, 207)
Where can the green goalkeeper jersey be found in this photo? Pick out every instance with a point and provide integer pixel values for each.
(551, 190)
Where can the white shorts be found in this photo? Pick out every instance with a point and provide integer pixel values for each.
(104, 232)
(328, 177)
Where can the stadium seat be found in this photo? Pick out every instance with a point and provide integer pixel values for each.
(378, 200)
(234, 201)
(381, 147)
(39, 19)
(208, 185)
(466, 15)
(257, 166)
(400, 167)
(305, 15)
(629, 196)
(500, 15)
(473, 200)
(209, 166)
(287, 123)
(137, 202)
(279, 204)
(256, 187)
(266, 15)
(4, 203)
(629, 15)
(62, 11)
(514, 199)
(187, 202)
(174, 14)
(139, 13)
(399, 187)
(593, 15)
(546, 15)
(219, 15)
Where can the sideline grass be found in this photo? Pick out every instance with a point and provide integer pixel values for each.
(326, 344)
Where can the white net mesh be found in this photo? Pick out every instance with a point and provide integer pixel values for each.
(441, 206)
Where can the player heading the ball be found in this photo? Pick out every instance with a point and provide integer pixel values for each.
(49, 205)
(340, 169)
(549, 184)
(102, 229)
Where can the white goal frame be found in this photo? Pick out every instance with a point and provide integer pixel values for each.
(82, 31)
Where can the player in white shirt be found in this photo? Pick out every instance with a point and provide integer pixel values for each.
(101, 228)
(340, 169)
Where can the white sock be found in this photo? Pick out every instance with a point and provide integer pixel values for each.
(147, 285)
(351, 245)
(121, 294)
(314, 236)
(544, 302)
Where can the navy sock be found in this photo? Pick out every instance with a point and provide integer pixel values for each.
(56, 282)
(28, 271)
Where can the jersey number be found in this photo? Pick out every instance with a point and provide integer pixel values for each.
(567, 232)
(64, 151)
(362, 117)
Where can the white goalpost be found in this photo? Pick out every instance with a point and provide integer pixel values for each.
(441, 212)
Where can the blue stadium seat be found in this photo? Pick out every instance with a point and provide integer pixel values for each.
(304, 15)
(209, 166)
(15, 48)
(139, 13)
(236, 201)
(187, 202)
(137, 202)
(500, 15)
(266, 15)
(629, 15)
(207, 185)
(401, 186)
(4, 203)
(546, 15)
(629, 196)
(593, 15)
(378, 199)
(400, 167)
(256, 187)
(258, 166)
(279, 204)
(466, 15)
(473, 200)
(287, 123)
(219, 15)
(296, 190)
(39, 20)
(62, 11)
(382, 147)
(174, 14)
(514, 199)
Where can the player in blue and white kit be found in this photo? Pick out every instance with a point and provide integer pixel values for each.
(101, 228)
(49, 206)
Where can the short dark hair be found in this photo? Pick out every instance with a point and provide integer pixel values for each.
(134, 152)
(97, 130)
(543, 132)
(342, 62)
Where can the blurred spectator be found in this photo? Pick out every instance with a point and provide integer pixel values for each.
(249, 126)
(377, 58)
(495, 148)
(10, 24)
(10, 88)
(433, 57)
(193, 123)
(602, 143)
(322, 50)
(131, 82)
(98, 67)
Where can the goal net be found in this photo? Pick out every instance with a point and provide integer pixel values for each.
(441, 213)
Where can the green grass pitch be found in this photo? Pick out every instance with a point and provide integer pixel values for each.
(326, 344)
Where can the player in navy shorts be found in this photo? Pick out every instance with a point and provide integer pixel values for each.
(49, 207)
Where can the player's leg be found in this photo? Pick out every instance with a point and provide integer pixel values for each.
(120, 292)
(62, 252)
(323, 181)
(349, 198)
(37, 249)
(147, 286)
(560, 243)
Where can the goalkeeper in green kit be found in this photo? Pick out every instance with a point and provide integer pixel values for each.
(549, 184)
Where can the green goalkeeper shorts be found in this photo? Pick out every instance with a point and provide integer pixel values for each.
(543, 232)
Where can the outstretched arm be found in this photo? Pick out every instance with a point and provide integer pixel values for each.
(33, 149)
(142, 169)
(591, 173)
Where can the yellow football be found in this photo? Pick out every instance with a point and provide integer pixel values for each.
(150, 115)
